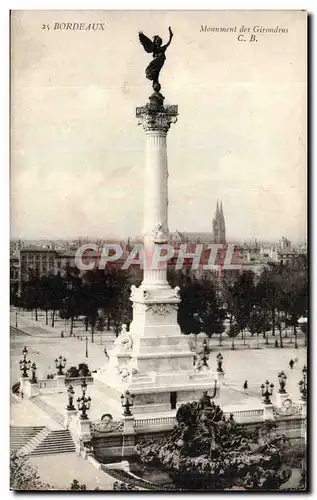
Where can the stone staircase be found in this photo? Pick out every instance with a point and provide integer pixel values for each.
(48, 409)
(20, 436)
(55, 442)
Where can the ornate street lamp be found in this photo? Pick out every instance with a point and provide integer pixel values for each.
(127, 402)
(205, 356)
(205, 347)
(219, 362)
(303, 384)
(84, 386)
(71, 393)
(84, 403)
(60, 364)
(282, 381)
(25, 365)
(267, 391)
(33, 368)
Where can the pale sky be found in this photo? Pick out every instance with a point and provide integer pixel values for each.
(77, 154)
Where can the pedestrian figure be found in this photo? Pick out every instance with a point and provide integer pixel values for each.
(245, 385)
(276, 343)
(106, 353)
(291, 364)
(22, 394)
(62, 334)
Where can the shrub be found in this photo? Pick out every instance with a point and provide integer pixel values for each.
(119, 486)
(72, 372)
(83, 370)
(77, 486)
(23, 476)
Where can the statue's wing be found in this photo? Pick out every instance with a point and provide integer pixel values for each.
(146, 42)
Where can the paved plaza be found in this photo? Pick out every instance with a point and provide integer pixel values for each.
(45, 345)
(253, 365)
(61, 470)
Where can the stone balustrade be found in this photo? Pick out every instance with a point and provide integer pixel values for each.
(79, 380)
(155, 421)
(239, 416)
(247, 415)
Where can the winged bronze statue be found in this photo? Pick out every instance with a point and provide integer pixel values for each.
(155, 47)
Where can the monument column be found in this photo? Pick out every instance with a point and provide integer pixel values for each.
(153, 360)
(156, 120)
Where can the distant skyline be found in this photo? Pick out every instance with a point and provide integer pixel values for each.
(77, 154)
(132, 237)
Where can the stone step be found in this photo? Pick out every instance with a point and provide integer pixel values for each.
(20, 436)
(54, 443)
(35, 441)
(47, 408)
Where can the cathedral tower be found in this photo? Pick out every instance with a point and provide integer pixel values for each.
(219, 225)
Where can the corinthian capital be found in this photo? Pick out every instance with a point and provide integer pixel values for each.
(153, 120)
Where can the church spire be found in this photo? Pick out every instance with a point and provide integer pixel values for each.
(219, 224)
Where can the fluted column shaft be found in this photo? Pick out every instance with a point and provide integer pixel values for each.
(156, 124)
(155, 187)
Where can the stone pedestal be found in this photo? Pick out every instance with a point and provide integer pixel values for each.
(69, 416)
(303, 404)
(280, 397)
(24, 386)
(158, 364)
(60, 383)
(81, 434)
(29, 390)
(128, 425)
(83, 429)
(268, 413)
(128, 437)
(220, 376)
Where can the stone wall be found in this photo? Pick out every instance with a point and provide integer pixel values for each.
(109, 446)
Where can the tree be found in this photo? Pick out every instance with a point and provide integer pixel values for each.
(57, 294)
(258, 321)
(239, 297)
(282, 289)
(95, 296)
(14, 294)
(232, 333)
(294, 299)
(119, 304)
(44, 295)
(72, 302)
(268, 291)
(23, 476)
(200, 309)
(304, 329)
(31, 295)
(207, 451)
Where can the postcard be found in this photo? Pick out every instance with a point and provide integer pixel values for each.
(158, 252)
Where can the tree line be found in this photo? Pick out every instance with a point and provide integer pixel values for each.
(272, 301)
